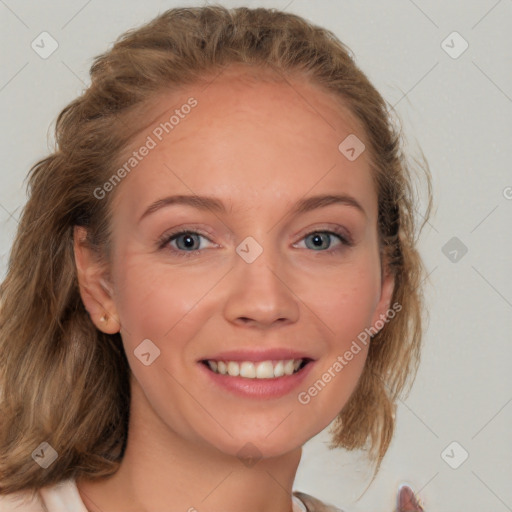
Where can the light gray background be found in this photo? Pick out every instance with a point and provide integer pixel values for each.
(458, 110)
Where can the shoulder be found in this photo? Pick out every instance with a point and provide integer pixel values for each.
(23, 501)
(64, 497)
(61, 497)
(314, 504)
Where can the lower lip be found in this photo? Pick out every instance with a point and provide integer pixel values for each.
(258, 388)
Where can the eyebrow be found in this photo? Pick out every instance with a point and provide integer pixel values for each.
(215, 205)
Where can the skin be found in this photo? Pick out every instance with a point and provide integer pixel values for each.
(259, 146)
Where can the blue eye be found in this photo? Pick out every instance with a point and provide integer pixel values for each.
(322, 240)
(186, 242)
(190, 241)
(319, 240)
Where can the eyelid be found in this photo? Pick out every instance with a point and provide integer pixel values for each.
(333, 248)
(165, 239)
(343, 233)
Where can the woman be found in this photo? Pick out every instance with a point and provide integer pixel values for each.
(217, 261)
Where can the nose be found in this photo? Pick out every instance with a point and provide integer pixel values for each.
(261, 294)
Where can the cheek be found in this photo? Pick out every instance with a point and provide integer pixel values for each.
(345, 301)
(351, 313)
(157, 302)
(336, 374)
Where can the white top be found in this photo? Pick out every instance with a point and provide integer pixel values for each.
(64, 497)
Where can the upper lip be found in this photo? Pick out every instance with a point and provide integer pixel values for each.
(281, 354)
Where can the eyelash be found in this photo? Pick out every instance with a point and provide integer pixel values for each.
(169, 237)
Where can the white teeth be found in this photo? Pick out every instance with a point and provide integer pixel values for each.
(288, 367)
(279, 369)
(265, 370)
(251, 370)
(233, 369)
(247, 370)
(221, 367)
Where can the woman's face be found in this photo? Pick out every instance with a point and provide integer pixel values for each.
(264, 272)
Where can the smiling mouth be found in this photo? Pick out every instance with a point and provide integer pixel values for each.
(257, 370)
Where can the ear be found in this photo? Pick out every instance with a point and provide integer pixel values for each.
(95, 290)
(386, 294)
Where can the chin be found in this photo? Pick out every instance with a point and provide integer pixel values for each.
(264, 443)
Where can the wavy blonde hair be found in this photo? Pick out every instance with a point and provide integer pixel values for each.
(65, 382)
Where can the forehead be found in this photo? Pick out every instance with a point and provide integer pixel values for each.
(250, 135)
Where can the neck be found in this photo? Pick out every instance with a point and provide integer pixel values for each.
(161, 471)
